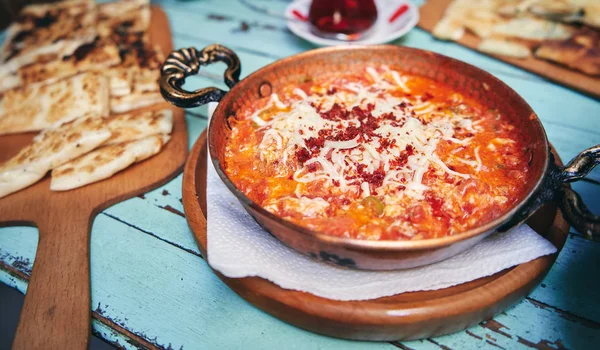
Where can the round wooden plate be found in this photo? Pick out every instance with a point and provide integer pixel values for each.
(404, 316)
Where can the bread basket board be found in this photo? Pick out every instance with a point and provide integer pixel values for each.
(433, 10)
(56, 313)
(404, 316)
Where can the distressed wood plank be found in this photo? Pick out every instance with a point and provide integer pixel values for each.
(512, 330)
(189, 304)
(572, 285)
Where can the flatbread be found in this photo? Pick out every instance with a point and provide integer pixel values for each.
(122, 17)
(136, 99)
(139, 69)
(557, 10)
(95, 56)
(39, 107)
(143, 63)
(105, 162)
(530, 28)
(504, 48)
(50, 149)
(581, 52)
(45, 32)
(138, 125)
(9, 80)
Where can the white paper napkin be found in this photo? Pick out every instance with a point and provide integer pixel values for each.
(238, 247)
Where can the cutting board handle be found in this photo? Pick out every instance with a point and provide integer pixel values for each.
(56, 313)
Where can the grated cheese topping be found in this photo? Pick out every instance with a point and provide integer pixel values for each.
(361, 138)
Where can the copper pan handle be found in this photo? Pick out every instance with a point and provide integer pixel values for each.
(183, 63)
(554, 188)
(572, 205)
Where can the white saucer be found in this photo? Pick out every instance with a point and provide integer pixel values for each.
(382, 32)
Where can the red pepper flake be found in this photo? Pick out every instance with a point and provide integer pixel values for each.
(301, 132)
(303, 155)
(360, 168)
(402, 159)
(386, 144)
(312, 167)
(336, 113)
(314, 144)
(375, 178)
(331, 91)
(336, 183)
(350, 133)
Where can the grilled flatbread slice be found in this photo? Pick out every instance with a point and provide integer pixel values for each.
(139, 70)
(39, 107)
(136, 99)
(581, 52)
(139, 125)
(45, 32)
(535, 29)
(556, 10)
(125, 16)
(9, 80)
(143, 63)
(504, 47)
(105, 162)
(95, 56)
(50, 149)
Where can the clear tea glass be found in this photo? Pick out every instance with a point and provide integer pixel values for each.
(342, 19)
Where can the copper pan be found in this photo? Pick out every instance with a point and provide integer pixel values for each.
(548, 181)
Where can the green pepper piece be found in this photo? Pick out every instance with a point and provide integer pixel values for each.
(373, 203)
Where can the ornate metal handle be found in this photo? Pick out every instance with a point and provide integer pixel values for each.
(571, 203)
(185, 62)
(554, 187)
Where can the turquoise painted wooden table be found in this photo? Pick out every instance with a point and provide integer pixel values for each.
(152, 288)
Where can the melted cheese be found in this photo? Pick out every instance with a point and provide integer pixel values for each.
(291, 128)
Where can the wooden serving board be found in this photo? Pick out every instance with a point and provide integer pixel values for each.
(404, 316)
(56, 313)
(433, 10)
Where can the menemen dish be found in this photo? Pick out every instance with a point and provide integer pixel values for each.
(380, 155)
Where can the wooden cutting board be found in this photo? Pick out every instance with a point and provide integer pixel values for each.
(433, 10)
(404, 316)
(56, 313)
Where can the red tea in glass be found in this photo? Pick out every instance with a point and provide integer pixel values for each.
(342, 19)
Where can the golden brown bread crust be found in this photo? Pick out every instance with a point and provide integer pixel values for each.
(94, 56)
(580, 52)
(40, 106)
(41, 26)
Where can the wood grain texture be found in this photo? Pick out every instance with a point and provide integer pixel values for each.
(433, 11)
(404, 316)
(56, 310)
